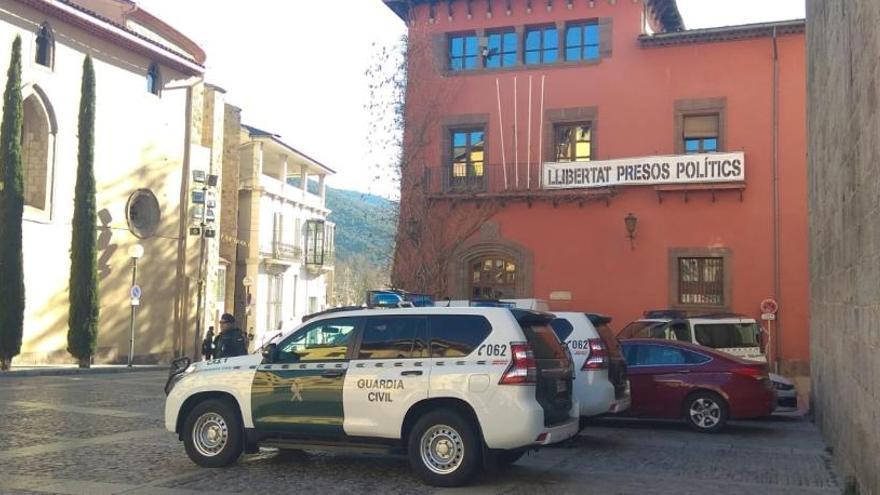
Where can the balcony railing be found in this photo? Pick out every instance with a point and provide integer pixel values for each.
(492, 179)
(287, 252)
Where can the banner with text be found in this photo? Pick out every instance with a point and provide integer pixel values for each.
(649, 170)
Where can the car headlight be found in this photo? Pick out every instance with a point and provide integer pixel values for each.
(179, 369)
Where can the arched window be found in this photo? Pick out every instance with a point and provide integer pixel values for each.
(493, 277)
(154, 80)
(45, 46)
(37, 138)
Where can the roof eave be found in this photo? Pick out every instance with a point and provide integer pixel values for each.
(725, 33)
(106, 29)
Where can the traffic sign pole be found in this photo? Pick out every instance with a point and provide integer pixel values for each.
(769, 308)
(137, 290)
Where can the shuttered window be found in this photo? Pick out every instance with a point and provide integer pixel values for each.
(700, 133)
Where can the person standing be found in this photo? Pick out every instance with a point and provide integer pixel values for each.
(208, 345)
(231, 341)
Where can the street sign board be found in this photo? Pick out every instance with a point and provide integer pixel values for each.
(135, 301)
(769, 305)
(768, 316)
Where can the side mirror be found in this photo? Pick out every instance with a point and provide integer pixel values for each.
(270, 351)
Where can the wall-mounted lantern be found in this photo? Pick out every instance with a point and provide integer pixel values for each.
(631, 221)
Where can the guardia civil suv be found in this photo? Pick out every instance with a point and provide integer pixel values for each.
(453, 388)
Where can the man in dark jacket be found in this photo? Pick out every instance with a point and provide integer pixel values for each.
(208, 345)
(231, 341)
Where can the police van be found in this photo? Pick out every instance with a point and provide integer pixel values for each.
(453, 389)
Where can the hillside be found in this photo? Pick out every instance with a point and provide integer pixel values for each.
(365, 225)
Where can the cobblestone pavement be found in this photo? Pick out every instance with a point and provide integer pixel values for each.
(98, 434)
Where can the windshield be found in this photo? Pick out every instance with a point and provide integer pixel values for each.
(728, 335)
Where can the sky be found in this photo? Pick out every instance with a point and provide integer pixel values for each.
(297, 67)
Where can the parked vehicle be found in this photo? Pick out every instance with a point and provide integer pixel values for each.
(733, 334)
(447, 386)
(601, 384)
(673, 380)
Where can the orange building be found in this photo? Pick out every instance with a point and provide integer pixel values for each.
(597, 154)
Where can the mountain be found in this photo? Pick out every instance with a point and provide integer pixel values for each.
(365, 226)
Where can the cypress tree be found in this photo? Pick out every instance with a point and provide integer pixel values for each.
(11, 210)
(82, 334)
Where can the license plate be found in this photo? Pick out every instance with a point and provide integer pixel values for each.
(561, 386)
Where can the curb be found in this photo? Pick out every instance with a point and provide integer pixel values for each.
(79, 371)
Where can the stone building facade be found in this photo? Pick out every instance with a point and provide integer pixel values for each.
(564, 150)
(843, 47)
(158, 128)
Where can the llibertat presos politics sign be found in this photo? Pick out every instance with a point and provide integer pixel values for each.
(648, 170)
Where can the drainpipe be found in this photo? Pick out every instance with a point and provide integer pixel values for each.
(776, 221)
(182, 294)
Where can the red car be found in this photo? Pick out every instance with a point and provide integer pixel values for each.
(673, 379)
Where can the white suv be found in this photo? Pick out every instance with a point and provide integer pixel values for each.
(453, 388)
(601, 385)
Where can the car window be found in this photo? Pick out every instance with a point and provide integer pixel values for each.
(659, 355)
(630, 353)
(544, 343)
(457, 335)
(696, 358)
(393, 337)
(562, 327)
(644, 330)
(678, 331)
(727, 335)
(322, 341)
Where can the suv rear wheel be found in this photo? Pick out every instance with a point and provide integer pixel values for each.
(444, 448)
(212, 434)
(706, 412)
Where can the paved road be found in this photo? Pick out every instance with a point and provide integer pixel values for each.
(99, 434)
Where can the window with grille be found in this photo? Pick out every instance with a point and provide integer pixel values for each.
(493, 277)
(701, 281)
(573, 143)
(700, 133)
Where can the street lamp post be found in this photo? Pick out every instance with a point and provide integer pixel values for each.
(135, 252)
(246, 282)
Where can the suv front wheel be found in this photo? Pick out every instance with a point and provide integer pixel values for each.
(444, 448)
(212, 434)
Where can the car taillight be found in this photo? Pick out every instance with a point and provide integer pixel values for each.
(756, 373)
(523, 368)
(598, 358)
